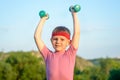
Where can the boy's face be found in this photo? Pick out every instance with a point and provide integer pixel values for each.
(59, 43)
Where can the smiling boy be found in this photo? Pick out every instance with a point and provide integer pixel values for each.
(59, 63)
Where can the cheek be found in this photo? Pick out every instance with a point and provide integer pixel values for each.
(53, 42)
(66, 43)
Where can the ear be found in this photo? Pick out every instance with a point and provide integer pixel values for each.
(51, 40)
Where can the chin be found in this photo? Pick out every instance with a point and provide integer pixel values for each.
(58, 50)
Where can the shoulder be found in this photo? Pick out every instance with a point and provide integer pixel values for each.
(72, 49)
(45, 52)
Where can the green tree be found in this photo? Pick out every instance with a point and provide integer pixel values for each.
(77, 73)
(26, 66)
(105, 67)
(114, 74)
(6, 72)
(95, 73)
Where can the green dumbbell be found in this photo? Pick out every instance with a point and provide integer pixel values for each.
(75, 8)
(42, 14)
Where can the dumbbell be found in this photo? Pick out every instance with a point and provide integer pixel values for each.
(75, 8)
(42, 14)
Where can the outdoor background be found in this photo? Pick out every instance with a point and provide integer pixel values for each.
(99, 20)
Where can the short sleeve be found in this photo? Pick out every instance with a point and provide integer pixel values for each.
(72, 50)
(45, 51)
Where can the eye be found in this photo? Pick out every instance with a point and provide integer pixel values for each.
(62, 39)
(55, 38)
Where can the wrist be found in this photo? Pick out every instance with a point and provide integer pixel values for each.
(74, 14)
(43, 19)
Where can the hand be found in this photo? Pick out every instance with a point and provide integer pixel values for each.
(76, 8)
(45, 17)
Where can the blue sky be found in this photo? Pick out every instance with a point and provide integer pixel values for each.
(99, 20)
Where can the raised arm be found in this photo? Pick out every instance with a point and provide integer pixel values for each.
(76, 31)
(38, 32)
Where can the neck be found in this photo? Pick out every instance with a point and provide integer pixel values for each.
(60, 51)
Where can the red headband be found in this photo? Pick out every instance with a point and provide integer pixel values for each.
(62, 33)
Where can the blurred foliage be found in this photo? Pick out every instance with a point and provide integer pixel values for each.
(30, 66)
(21, 66)
(114, 74)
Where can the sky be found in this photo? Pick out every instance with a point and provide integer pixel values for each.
(99, 25)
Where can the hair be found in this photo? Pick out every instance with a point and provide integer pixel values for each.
(61, 28)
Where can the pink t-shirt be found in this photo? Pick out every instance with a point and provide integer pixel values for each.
(59, 66)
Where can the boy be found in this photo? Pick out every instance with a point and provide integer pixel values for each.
(60, 63)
